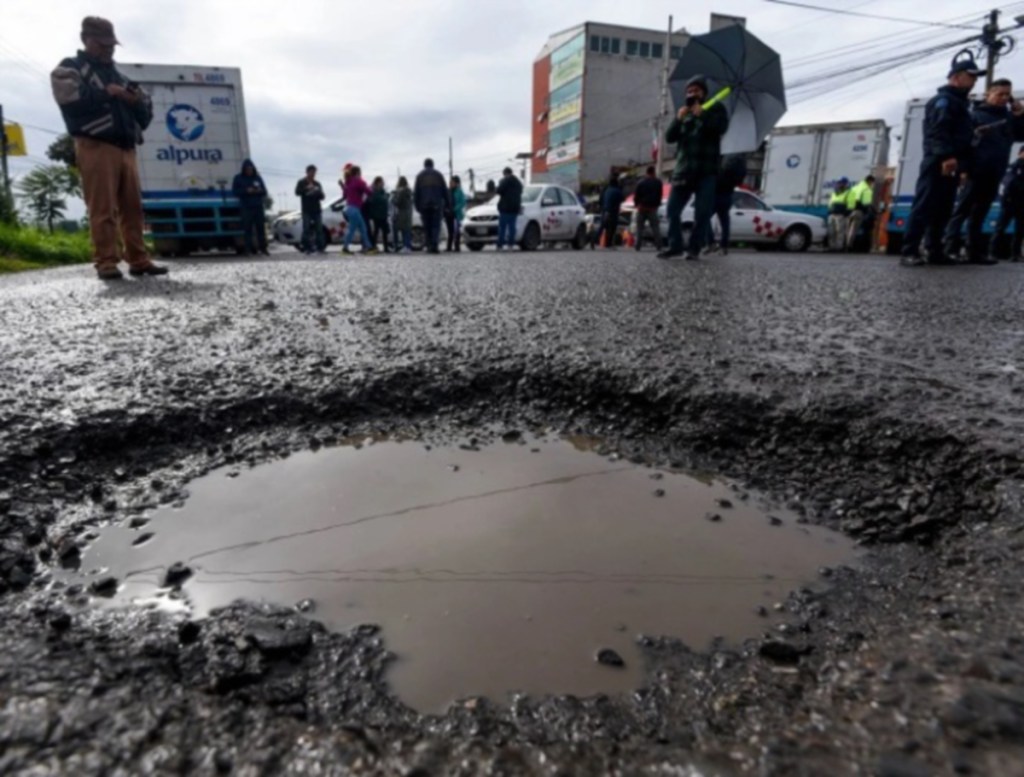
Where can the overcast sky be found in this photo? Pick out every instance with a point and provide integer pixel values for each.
(386, 82)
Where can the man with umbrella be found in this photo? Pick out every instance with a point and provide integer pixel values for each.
(697, 134)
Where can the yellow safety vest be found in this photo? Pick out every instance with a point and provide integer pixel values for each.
(861, 194)
(840, 202)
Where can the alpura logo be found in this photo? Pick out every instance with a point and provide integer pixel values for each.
(185, 122)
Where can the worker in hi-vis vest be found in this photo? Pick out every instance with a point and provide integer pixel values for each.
(861, 211)
(838, 215)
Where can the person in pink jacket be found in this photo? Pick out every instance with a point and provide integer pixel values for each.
(355, 190)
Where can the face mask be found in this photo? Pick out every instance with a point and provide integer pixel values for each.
(691, 101)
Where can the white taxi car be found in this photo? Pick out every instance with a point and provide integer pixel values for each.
(550, 214)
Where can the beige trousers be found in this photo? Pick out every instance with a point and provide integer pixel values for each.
(113, 196)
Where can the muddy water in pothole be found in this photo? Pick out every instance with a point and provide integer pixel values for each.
(501, 569)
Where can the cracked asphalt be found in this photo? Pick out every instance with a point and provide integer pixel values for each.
(878, 400)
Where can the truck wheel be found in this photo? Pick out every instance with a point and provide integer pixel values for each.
(579, 241)
(475, 246)
(167, 247)
(796, 239)
(531, 237)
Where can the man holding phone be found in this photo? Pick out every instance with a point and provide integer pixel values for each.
(948, 136)
(697, 134)
(106, 114)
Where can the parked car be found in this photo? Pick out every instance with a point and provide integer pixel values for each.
(754, 222)
(550, 214)
(287, 228)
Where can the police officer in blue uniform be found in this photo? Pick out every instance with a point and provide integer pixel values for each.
(948, 134)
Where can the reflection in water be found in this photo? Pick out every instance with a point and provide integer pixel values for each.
(490, 570)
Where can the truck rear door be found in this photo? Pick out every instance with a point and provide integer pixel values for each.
(788, 165)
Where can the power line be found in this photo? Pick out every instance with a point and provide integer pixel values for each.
(845, 12)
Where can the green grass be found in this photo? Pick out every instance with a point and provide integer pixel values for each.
(27, 248)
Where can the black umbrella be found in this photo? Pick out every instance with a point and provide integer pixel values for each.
(744, 74)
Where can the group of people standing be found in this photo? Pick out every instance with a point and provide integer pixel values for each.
(850, 213)
(966, 152)
(379, 220)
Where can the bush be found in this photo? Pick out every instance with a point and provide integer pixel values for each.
(37, 247)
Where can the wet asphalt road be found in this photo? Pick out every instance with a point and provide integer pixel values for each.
(880, 400)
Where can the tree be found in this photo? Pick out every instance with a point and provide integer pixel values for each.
(62, 150)
(45, 191)
(8, 213)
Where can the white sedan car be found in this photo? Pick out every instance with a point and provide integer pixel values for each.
(754, 222)
(287, 228)
(550, 214)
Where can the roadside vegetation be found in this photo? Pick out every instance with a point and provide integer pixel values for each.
(30, 248)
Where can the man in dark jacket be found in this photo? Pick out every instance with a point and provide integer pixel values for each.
(647, 198)
(251, 192)
(311, 194)
(998, 124)
(698, 137)
(611, 206)
(510, 202)
(948, 133)
(431, 198)
(1012, 207)
(732, 174)
(106, 114)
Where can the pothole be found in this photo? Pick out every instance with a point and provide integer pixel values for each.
(528, 566)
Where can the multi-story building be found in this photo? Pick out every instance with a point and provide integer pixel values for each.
(597, 99)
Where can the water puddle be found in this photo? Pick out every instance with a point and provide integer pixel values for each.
(507, 568)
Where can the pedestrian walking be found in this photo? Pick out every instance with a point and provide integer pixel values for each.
(376, 208)
(732, 174)
(510, 202)
(998, 124)
(862, 213)
(1012, 208)
(356, 191)
(431, 198)
(251, 192)
(456, 215)
(948, 137)
(401, 199)
(611, 206)
(839, 215)
(106, 113)
(311, 194)
(697, 134)
(647, 199)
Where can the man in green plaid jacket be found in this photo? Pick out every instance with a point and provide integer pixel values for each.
(697, 134)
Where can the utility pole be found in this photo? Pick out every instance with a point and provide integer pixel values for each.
(472, 182)
(451, 165)
(660, 125)
(990, 39)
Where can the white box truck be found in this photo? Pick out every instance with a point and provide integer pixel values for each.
(803, 163)
(908, 167)
(190, 155)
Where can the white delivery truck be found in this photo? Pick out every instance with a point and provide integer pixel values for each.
(190, 155)
(803, 163)
(908, 167)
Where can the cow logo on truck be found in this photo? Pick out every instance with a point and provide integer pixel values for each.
(185, 122)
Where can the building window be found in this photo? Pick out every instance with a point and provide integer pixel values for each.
(606, 45)
(645, 49)
(616, 46)
(657, 50)
(631, 48)
(595, 43)
(677, 52)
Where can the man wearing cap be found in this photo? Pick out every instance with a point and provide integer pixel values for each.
(697, 134)
(998, 124)
(106, 113)
(948, 133)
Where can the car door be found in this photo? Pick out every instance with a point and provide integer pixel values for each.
(573, 212)
(552, 214)
(747, 218)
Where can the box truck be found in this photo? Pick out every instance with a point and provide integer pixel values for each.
(190, 155)
(803, 163)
